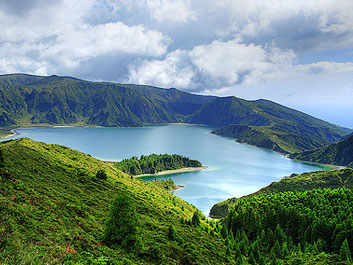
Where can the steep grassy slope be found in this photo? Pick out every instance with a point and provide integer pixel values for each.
(65, 100)
(307, 181)
(271, 138)
(54, 208)
(173, 100)
(332, 179)
(229, 110)
(340, 153)
(266, 124)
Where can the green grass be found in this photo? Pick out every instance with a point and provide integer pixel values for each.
(167, 185)
(340, 153)
(54, 209)
(280, 136)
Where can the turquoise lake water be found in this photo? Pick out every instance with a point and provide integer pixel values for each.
(233, 169)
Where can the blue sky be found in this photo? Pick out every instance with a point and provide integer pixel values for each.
(298, 53)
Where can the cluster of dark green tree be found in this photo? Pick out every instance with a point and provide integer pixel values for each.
(123, 228)
(154, 163)
(270, 228)
(123, 231)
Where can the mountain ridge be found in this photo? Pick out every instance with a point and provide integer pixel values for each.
(28, 99)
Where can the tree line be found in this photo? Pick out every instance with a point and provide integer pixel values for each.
(267, 228)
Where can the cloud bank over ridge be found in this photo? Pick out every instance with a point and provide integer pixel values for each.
(272, 49)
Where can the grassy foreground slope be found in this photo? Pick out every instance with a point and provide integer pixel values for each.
(54, 207)
(332, 179)
(340, 153)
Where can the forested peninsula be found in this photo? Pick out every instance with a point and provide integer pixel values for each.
(153, 164)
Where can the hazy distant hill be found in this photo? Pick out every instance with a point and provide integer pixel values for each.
(26, 99)
(340, 154)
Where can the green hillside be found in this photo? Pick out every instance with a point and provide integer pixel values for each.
(269, 137)
(268, 125)
(342, 178)
(167, 185)
(65, 100)
(340, 153)
(229, 110)
(60, 206)
(55, 208)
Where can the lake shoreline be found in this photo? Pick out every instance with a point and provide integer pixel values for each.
(325, 167)
(213, 150)
(178, 187)
(83, 125)
(13, 133)
(172, 172)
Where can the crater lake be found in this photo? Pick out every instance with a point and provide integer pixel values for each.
(234, 169)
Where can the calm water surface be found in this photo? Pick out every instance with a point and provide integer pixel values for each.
(233, 169)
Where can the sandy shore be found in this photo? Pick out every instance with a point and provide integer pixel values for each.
(176, 171)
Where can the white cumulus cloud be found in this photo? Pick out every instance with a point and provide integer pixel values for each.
(218, 64)
(231, 62)
(173, 71)
(58, 36)
(109, 38)
(172, 10)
